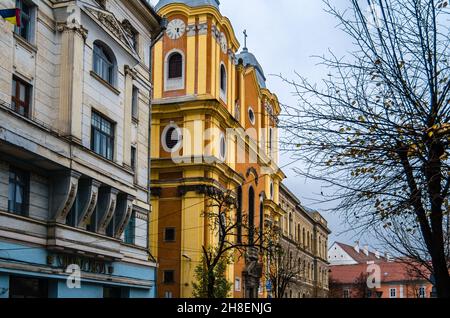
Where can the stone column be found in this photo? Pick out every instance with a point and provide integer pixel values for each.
(71, 80)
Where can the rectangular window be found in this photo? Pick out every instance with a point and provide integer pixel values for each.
(169, 235)
(135, 103)
(133, 158)
(130, 231)
(102, 136)
(346, 293)
(422, 292)
(18, 191)
(20, 97)
(26, 21)
(393, 292)
(237, 284)
(169, 277)
(168, 294)
(27, 288)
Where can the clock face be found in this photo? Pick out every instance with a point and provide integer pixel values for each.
(176, 29)
(223, 43)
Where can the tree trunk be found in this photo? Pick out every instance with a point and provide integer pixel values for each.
(211, 283)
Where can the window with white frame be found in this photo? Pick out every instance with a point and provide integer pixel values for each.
(393, 292)
(237, 284)
(174, 71)
(171, 138)
(105, 65)
(422, 292)
(223, 83)
(222, 147)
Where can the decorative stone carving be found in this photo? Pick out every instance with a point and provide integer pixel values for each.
(202, 28)
(110, 22)
(88, 193)
(64, 27)
(123, 212)
(106, 206)
(65, 187)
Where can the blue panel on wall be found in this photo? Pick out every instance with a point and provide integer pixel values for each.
(23, 253)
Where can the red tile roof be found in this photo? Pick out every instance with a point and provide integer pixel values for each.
(360, 257)
(390, 272)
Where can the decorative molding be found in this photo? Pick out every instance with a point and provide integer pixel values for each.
(108, 201)
(64, 27)
(191, 30)
(65, 188)
(202, 28)
(130, 71)
(123, 212)
(253, 171)
(90, 201)
(112, 24)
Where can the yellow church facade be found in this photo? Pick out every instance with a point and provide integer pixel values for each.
(214, 125)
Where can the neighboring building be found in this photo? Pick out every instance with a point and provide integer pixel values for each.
(74, 147)
(203, 89)
(398, 280)
(305, 237)
(343, 254)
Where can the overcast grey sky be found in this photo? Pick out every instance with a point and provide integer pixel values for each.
(284, 35)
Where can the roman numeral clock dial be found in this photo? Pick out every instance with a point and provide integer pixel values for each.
(176, 29)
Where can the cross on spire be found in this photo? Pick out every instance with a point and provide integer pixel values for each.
(245, 39)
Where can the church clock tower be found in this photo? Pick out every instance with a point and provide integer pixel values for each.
(203, 90)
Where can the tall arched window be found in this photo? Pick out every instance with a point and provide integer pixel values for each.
(304, 238)
(251, 216)
(270, 141)
(174, 74)
(239, 215)
(223, 83)
(175, 65)
(105, 64)
(291, 221)
(261, 217)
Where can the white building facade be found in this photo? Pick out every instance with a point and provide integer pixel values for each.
(75, 94)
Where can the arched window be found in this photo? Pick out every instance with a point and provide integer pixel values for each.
(174, 71)
(309, 242)
(261, 217)
(223, 82)
(175, 64)
(239, 215)
(304, 238)
(291, 221)
(105, 64)
(270, 141)
(251, 216)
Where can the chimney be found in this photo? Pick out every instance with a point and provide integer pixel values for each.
(366, 250)
(357, 247)
(388, 257)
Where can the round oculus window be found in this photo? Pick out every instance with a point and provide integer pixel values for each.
(223, 147)
(251, 115)
(171, 138)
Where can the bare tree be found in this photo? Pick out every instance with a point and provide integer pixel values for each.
(234, 236)
(283, 270)
(377, 130)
